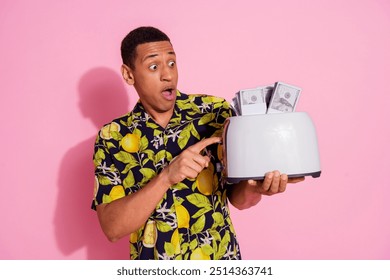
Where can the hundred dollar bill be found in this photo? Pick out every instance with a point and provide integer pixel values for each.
(267, 92)
(284, 98)
(252, 101)
(236, 106)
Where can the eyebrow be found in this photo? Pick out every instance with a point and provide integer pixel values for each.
(154, 55)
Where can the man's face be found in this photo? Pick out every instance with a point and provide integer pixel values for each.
(155, 78)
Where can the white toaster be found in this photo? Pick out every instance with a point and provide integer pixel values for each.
(256, 144)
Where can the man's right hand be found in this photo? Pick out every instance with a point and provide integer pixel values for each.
(190, 162)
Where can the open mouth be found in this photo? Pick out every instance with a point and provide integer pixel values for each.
(169, 93)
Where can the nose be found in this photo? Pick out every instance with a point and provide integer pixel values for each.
(166, 73)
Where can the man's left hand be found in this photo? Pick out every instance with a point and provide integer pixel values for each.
(274, 183)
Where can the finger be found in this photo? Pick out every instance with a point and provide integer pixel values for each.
(191, 160)
(252, 182)
(283, 183)
(202, 161)
(275, 182)
(267, 181)
(198, 147)
(198, 163)
(181, 173)
(183, 168)
(190, 172)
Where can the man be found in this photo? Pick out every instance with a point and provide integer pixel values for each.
(156, 167)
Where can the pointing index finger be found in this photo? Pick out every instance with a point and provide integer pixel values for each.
(198, 147)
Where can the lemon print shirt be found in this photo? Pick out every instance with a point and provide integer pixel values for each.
(192, 220)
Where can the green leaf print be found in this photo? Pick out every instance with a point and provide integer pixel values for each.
(226, 238)
(202, 211)
(189, 117)
(218, 219)
(212, 99)
(133, 252)
(163, 226)
(193, 244)
(150, 154)
(225, 115)
(168, 156)
(156, 132)
(206, 118)
(103, 180)
(218, 126)
(215, 234)
(195, 108)
(144, 143)
(122, 122)
(158, 157)
(106, 198)
(199, 200)
(127, 168)
(130, 121)
(151, 125)
(217, 105)
(194, 132)
(169, 249)
(113, 168)
(110, 145)
(129, 180)
(99, 156)
(184, 136)
(116, 135)
(207, 249)
(179, 201)
(180, 186)
(145, 161)
(126, 157)
(215, 247)
(148, 173)
(174, 121)
(223, 245)
(137, 132)
(198, 226)
(183, 104)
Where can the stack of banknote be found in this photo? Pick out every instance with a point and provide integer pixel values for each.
(276, 98)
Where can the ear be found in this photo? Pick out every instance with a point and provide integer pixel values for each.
(127, 74)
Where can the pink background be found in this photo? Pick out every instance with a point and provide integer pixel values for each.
(59, 72)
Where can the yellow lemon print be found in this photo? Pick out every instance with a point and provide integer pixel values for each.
(150, 234)
(130, 143)
(220, 152)
(175, 240)
(204, 181)
(216, 184)
(117, 192)
(134, 237)
(105, 132)
(183, 217)
(198, 254)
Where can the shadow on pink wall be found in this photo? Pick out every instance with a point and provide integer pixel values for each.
(102, 98)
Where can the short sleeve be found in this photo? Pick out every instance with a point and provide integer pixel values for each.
(107, 177)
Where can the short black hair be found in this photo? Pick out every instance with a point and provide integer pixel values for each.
(140, 35)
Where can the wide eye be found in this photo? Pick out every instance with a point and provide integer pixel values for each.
(171, 63)
(153, 67)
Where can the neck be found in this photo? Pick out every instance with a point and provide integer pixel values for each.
(162, 119)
